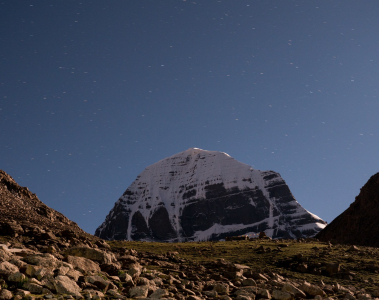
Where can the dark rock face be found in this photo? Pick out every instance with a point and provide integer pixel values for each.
(21, 212)
(359, 224)
(205, 195)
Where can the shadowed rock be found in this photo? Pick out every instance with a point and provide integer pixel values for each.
(359, 224)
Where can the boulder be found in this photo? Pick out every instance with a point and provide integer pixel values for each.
(111, 268)
(74, 274)
(311, 290)
(45, 260)
(99, 281)
(247, 291)
(221, 288)
(138, 292)
(115, 294)
(249, 282)
(62, 270)
(125, 277)
(7, 269)
(159, 293)
(17, 277)
(92, 254)
(282, 295)
(83, 264)
(64, 285)
(212, 293)
(37, 271)
(5, 294)
(34, 288)
(135, 270)
(103, 244)
(287, 287)
(263, 293)
(4, 254)
(142, 281)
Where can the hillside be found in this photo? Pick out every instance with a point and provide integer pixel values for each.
(359, 224)
(23, 213)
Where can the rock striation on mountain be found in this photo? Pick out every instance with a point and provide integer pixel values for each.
(21, 211)
(358, 224)
(206, 195)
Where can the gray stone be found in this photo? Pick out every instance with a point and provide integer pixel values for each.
(34, 288)
(83, 264)
(138, 291)
(5, 294)
(249, 282)
(17, 262)
(281, 295)
(246, 290)
(244, 297)
(159, 293)
(115, 294)
(92, 254)
(64, 285)
(287, 287)
(99, 281)
(44, 260)
(125, 277)
(221, 288)
(74, 274)
(142, 281)
(311, 289)
(92, 293)
(7, 269)
(16, 277)
(4, 254)
(211, 293)
(263, 293)
(135, 270)
(62, 270)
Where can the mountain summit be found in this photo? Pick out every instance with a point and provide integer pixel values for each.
(206, 195)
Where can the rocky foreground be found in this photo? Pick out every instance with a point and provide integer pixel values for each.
(67, 266)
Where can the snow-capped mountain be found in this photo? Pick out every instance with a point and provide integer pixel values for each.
(206, 195)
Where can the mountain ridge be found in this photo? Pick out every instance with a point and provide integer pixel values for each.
(358, 223)
(21, 210)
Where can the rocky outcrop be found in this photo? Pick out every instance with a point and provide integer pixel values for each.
(206, 195)
(359, 224)
(23, 213)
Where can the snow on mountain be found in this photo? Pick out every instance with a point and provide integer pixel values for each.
(206, 195)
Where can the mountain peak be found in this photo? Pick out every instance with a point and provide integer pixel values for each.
(199, 195)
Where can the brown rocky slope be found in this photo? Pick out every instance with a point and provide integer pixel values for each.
(359, 224)
(21, 211)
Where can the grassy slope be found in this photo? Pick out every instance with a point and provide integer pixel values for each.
(363, 263)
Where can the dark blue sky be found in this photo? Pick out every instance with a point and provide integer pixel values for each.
(92, 92)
